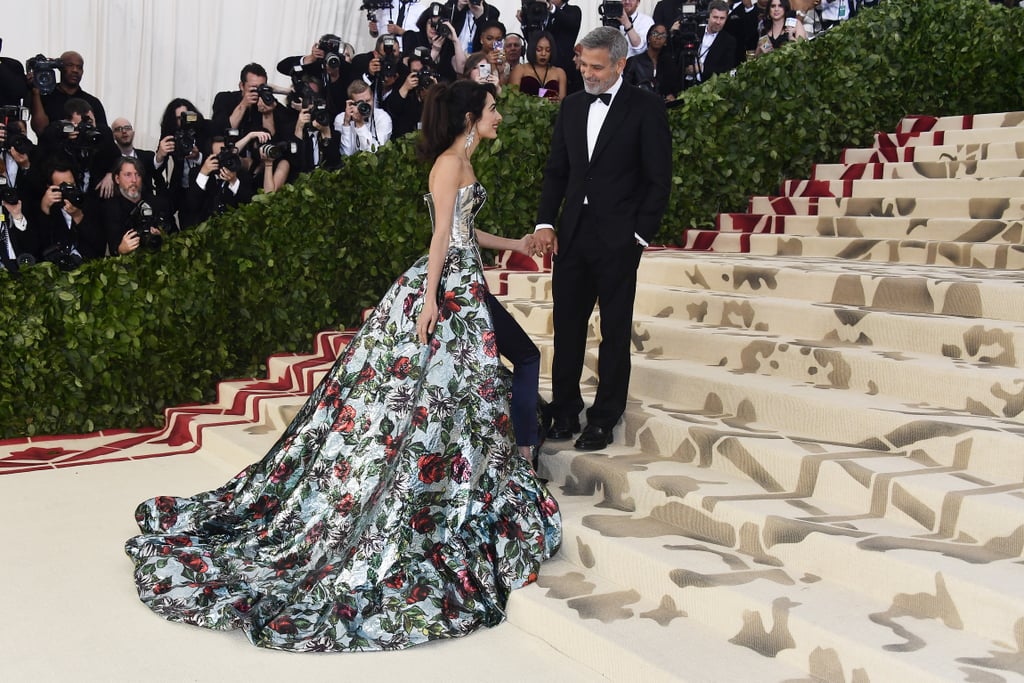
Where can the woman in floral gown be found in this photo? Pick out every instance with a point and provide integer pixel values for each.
(396, 508)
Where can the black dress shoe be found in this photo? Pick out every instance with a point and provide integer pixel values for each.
(594, 438)
(563, 428)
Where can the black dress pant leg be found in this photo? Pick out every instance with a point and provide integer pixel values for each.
(515, 345)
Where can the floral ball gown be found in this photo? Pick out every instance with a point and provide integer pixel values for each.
(394, 510)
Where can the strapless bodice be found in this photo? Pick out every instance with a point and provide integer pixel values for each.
(468, 201)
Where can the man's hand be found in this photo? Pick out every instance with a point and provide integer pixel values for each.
(374, 67)
(129, 242)
(106, 186)
(51, 197)
(545, 241)
(412, 81)
(210, 165)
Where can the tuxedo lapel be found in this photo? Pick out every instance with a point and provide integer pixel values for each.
(577, 135)
(616, 117)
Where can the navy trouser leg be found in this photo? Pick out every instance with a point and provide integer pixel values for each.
(515, 345)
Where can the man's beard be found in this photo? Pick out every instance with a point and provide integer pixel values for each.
(601, 86)
(131, 195)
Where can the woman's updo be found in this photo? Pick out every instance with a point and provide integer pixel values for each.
(444, 114)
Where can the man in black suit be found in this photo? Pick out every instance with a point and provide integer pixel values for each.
(717, 53)
(152, 162)
(611, 164)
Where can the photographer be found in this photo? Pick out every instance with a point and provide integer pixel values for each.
(69, 232)
(316, 146)
(88, 148)
(152, 162)
(219, 184)
(717, 51)
(239, 109)
(17, 240)
(19, 155)
(563, 23)
(132, 218)
(491, 41)
(746, 19)
(627, 18)
(438, 35)
(362, 127)
(394, 16)
(49, 107)
(404, 104)
(13, 88)
(326, 63)
(184, 131)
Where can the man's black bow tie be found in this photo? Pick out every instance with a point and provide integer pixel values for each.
(605, 97)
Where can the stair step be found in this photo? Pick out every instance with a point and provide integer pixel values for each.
(996, 295)
(876, 227)
(950, 137)
(903, 251)
(629, 637)
(790, 611)
(965, 152)
(918, 207)
(914, 123)
(931, 170)
(992, 188)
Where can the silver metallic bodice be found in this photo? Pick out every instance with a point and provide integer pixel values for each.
(468, 201)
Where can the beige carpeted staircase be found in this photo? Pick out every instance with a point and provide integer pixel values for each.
(820, 474)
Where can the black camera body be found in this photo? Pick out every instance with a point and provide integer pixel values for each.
(364, 109)
(87, 139)
(266, 94)
(8, 193)
(186, 135)
(145, 223)
(44, 72)
(693, 20)
(227, 157)
(72, 193)
(14, 138)
(278, 150)
(63, 256)
(534, 13)
(331, 47)
(610, 11)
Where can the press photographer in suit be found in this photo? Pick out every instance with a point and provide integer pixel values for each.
(610, 165)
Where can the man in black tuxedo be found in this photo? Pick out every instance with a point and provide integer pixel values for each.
(611, 164)
(717, 53)
(152, 161)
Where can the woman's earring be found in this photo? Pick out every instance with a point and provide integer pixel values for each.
(470, 137)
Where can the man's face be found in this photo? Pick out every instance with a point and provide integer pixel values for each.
(129, 182)
(124, 133)
(251, 82)
(716, 20)
(71, 74)
(629, 6)
(513, 49)
(77, 118)
(599, 73)
(365, 96)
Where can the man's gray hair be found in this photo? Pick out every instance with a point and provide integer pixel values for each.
(610, 39)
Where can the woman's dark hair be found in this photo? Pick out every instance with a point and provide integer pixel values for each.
(531, 48)
(169, 122)
(444, 114)
(482, 28)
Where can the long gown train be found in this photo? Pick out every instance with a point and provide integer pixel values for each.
(394, 510)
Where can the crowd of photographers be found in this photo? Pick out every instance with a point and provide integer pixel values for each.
(83, 191)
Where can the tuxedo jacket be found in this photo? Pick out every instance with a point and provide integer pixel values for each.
(721, 57)
(627, 179)
(564, 25)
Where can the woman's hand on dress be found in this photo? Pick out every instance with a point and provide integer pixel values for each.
(427, 321)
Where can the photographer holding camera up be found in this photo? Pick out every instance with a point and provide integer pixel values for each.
(132, 218)
(313, 138)
(16, 239)
(404, 104)
(326, 64)
(219, 184)
(437, 34)
(69, 232)
(362, 127)
(89, 149)
(48, 99)
(626, 17)
(394, 16)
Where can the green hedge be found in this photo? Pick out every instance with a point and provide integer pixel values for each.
(119, 340)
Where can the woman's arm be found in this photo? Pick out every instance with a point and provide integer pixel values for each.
(523, 245)
(562, 83)
(444, 186)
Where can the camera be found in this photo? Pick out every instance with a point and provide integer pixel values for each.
(228, 157)
(72, 193)
(14, 137)
(693, 20)
(534, 13)
(277, 150)
(364, 109)
(44, 72)
(185, 136)
(371, 7)
(88, 136)
(331, 46)
(304, 94)
(146, 225)
(389, 62)
(266, 94)
(436, 21)
(610, 11)
(65, 257)
(427, 77)
(8, 193)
